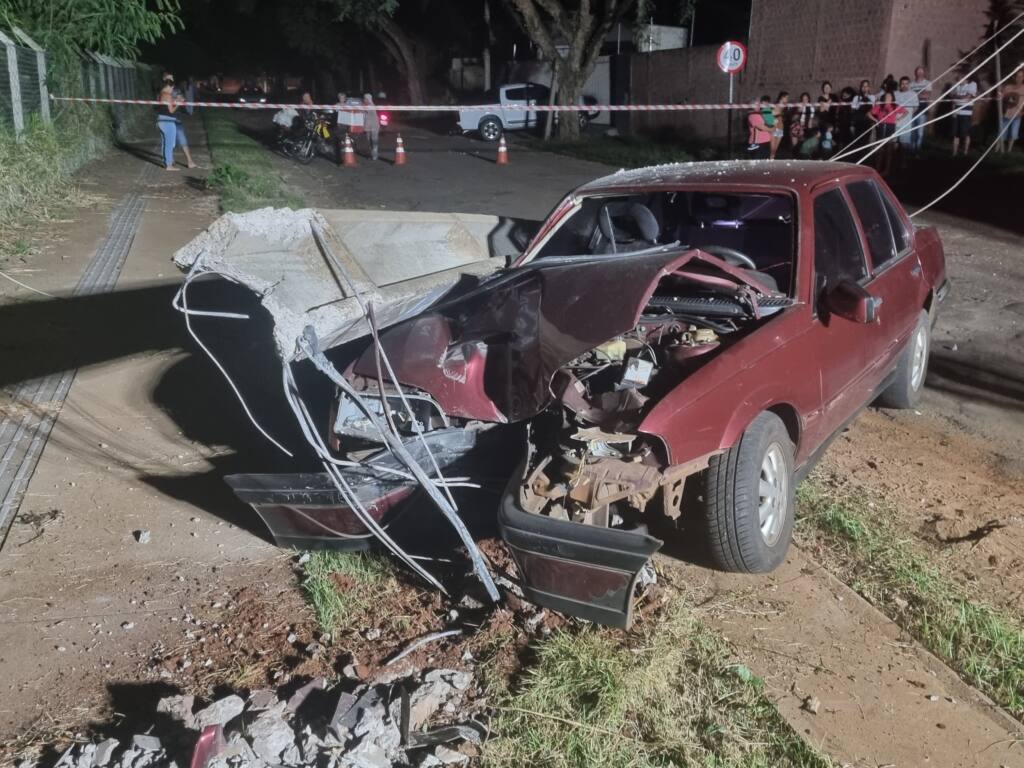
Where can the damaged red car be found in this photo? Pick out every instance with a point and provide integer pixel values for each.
(677, 342)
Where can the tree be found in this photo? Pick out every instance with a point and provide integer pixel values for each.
(570, 35)
(113, 27)
(377, 18)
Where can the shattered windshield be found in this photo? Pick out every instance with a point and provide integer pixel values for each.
(753, 231)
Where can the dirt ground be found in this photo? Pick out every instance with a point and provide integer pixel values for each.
(93, 623)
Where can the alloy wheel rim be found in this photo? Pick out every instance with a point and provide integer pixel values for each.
(919, 359)
(490, 130)
(773, 494)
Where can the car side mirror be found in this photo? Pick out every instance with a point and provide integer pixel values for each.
(850, 301)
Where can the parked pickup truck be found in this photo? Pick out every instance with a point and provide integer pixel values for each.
(502, 110)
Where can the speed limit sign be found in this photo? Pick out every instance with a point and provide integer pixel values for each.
(732, 57)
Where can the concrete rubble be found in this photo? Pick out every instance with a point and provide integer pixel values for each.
(424, 719)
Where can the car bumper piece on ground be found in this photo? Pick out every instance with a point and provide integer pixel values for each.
(582, 570)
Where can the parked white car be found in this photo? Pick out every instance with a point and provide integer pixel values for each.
(504, 110)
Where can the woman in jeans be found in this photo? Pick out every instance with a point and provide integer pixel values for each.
(171, 130)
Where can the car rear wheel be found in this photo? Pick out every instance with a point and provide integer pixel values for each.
(490, 129)
(911, 370)
(748, 499)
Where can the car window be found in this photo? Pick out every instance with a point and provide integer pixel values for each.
(867, 200)
(899, 228)
(516, 94)
(838, 254)
(539, 93)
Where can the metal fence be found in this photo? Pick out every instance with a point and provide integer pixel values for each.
(25, 90)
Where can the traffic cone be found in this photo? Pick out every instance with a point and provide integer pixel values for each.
(502, 151)
(399, 151)
(349, 153)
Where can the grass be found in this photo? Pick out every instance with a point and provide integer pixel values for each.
(243, 170)
(671, 696)
(34, 172)
(344, 587)
(625, 152)
(854, 533)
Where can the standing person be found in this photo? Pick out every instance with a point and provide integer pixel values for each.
(827, 103)
(963, 114)
(922, 86)
(779, 128)
(886, 113)
(1013, 104)
(760, 134)
(190, 93)
(371, 124)
(906, 98)
(341, 128)
(844, 119)
(171, 130)
(861, 107)
(800, 122)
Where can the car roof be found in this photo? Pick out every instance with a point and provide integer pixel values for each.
(791, 175)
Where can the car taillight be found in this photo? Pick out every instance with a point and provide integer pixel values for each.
(385, 118)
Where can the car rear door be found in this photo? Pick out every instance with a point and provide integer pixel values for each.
(513, 99)
(835, 346)
(895, 274)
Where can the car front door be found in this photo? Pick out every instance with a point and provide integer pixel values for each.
(895, 275)
(836, 345)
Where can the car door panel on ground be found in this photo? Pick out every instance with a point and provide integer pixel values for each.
(839, 345)
(895, 275)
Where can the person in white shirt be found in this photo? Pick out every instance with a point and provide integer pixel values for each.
(922, 86)
(963, 114)
(906, 98)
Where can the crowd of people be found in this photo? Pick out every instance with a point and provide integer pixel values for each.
(823, 128)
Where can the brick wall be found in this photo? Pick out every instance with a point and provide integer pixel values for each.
(796, 44)
(675, 77)
(933, 32)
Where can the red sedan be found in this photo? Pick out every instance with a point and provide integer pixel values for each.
(677, 343)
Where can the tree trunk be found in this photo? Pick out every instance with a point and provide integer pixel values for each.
(570, 93)
(402, 48)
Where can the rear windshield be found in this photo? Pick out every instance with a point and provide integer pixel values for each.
(759, 226)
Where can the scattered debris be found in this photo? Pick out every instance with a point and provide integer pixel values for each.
(811, 704)
(142, 536)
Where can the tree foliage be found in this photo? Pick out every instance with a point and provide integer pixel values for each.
(113, 27)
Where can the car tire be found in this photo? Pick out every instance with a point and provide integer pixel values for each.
(490, 129)
(912, 368)
(748, 499)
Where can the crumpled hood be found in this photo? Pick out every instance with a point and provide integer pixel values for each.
(401, 262)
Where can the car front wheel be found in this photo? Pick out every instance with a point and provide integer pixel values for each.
(748, 499)
(905, 390)
(490, 129)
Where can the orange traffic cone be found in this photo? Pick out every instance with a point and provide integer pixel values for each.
(399, 151)
(502, 151)
(349, 153)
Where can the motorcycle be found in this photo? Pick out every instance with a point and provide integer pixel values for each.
(310, 138)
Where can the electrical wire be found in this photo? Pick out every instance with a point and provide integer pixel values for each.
(958, 182)
(949, 69)
(944, 94)
(180, 302)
